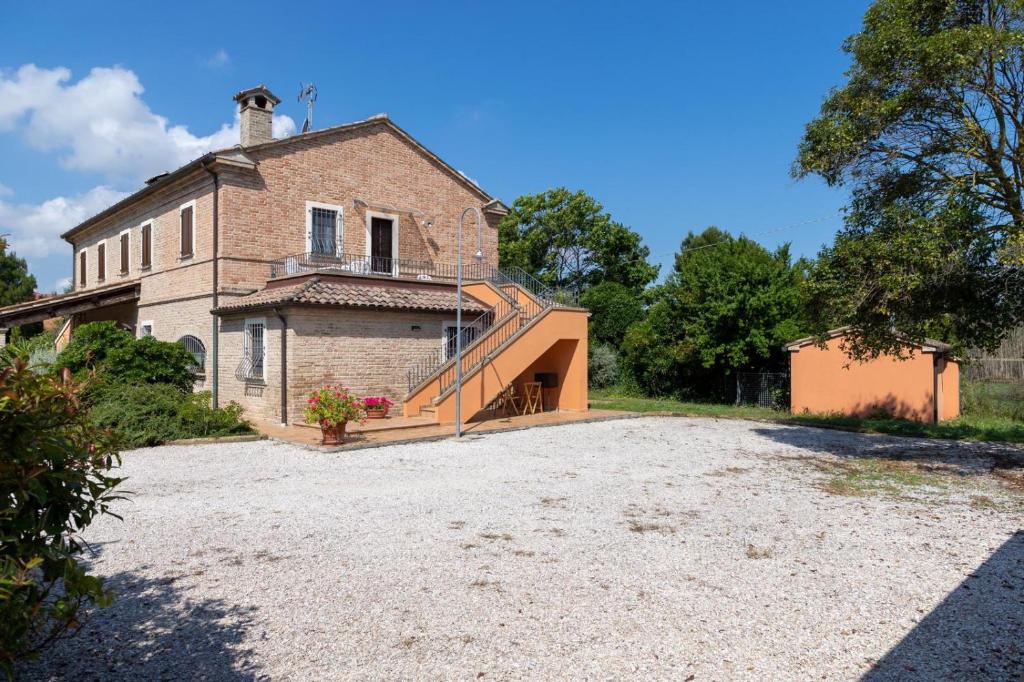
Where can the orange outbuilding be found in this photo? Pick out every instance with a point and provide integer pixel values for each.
(923, 386)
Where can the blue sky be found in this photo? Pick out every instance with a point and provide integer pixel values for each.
(674, 115)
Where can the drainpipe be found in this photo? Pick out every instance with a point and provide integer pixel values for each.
(936, 365)
(215, 333)
(284, 366)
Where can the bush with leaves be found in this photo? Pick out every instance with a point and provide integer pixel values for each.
(613, 307)
(54, 480)
(602, 365)
(150, 414)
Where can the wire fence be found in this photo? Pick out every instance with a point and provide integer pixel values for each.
(764, 389)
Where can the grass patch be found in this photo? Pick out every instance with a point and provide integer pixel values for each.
(873, 475)
(968, 427)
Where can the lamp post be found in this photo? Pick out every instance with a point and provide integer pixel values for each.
(458, 316)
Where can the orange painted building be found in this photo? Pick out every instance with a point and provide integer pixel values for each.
(924, 386)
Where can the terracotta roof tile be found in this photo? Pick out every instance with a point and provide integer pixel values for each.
(315, 291)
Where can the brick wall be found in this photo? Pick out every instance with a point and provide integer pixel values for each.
(193, 275)
(264, 217)
(367, 351)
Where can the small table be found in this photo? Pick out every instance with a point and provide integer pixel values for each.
(533, 400)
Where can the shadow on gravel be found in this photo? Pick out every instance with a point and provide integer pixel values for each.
(974, 634)
(153, 631)
(959, 456)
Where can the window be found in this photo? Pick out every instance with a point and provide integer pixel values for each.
(146, 328)
(125, 249)
(81, 267)
(187, 213)
(254, 350)
(195, 346)
(323, 228)
(449, 342)
(101, 261)
(147, 244)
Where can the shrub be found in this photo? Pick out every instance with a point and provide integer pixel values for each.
(54, 481)
(91, 343)
(148, 361)
(993, 399)
(151, 414)
(603, 365)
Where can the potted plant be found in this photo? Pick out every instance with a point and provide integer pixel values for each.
(376, 407)
(332, 407)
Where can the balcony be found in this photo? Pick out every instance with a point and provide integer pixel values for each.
(377, 266)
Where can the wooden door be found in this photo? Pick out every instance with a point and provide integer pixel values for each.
(381, 242)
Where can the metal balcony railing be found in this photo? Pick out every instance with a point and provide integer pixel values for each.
(413, 269)
(361, 264)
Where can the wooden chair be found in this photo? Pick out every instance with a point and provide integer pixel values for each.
(509, 399)
(533, 397)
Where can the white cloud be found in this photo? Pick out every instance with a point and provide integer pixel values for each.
(35, 228)
(219, 59)
(62, 284)
(101, 124)
(5, 191)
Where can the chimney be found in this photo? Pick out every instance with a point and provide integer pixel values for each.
(257, 110)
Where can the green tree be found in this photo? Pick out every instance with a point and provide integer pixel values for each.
(728, 305)
(566, 240)
(928, 134)
(613, 307)
(16, 285)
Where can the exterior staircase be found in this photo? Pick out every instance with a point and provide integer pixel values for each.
(529, 329)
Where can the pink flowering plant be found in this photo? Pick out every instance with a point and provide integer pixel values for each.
(332, 406)
(377, 403)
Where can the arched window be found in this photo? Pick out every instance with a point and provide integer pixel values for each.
(198, 351)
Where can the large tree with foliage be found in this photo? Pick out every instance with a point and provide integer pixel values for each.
(928, 134)
(16, 285)
(729, 305)
(566, 240)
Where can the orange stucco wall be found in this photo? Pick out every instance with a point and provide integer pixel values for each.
(556, 342)
(949, 389)
(827, 380)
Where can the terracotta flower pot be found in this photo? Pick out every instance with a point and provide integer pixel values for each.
(333, 435)
(377, 412)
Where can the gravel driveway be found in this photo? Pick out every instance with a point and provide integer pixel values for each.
(643, 548)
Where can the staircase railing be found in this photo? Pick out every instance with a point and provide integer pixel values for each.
(487, 333)
(427, 365)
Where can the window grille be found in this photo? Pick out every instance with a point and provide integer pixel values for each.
(323, 230)
(198, 351)
(254, 350)
(147, 329)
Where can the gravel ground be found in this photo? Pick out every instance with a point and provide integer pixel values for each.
(648, 548)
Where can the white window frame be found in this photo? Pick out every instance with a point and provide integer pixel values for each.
(195, 224)
(339, 227)
(152, 240)
(393, 217)
(451, 324)
(104, 259)
(245, 344)
(142, 329)
(127, 272)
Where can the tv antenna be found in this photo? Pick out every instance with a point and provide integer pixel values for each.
(307, 94)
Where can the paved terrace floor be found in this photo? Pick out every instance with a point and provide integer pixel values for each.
(398, 429)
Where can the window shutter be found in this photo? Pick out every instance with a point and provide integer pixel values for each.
(147, 244)
(186, 231)
(101, 262)
(81, 268)
(124, 253)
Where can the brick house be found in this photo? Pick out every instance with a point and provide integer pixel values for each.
(326, 257)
